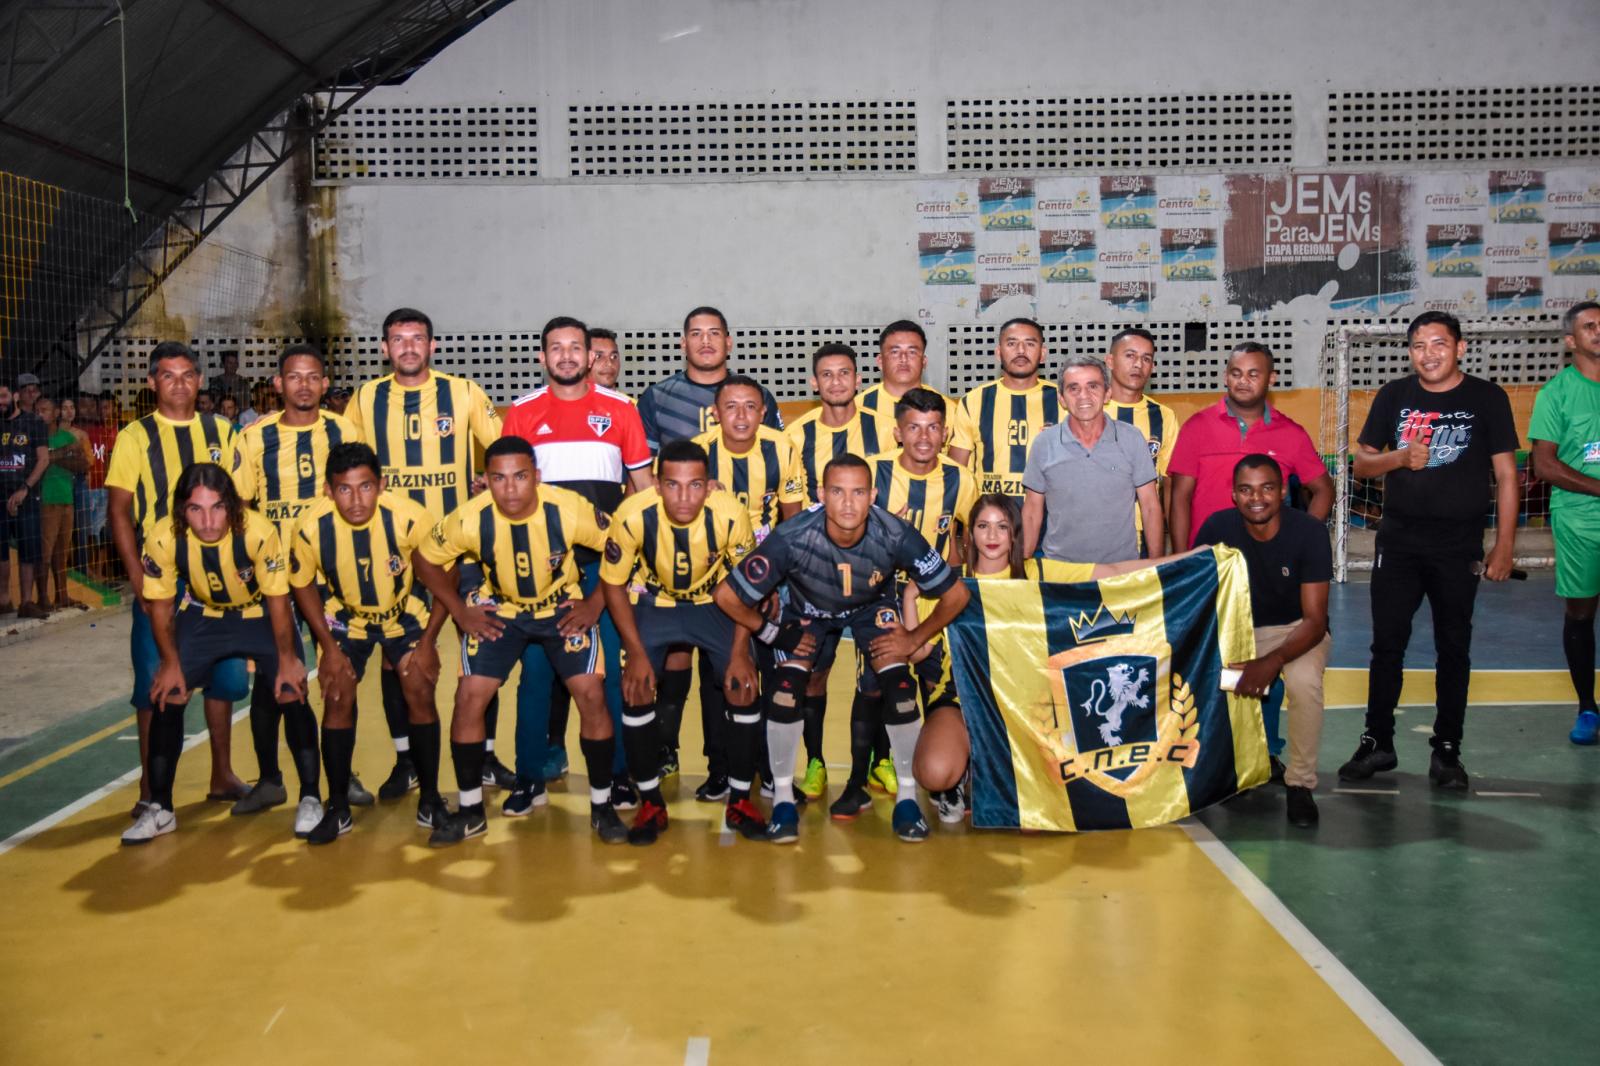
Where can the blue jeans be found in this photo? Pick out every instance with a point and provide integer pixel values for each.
(533, 695)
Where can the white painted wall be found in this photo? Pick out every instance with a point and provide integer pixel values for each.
(826, 251)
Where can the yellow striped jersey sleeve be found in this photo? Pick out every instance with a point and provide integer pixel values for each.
(232, 574)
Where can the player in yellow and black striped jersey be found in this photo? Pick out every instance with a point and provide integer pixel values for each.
(1002, 417)
(144, 466)
(524, 534)
(423, 423)
(231, 562)
(278, 460)
(758, 464)
(673, 544)
(1131, 361)
(902, 360)
(277, 464)
(837, 427)
(357, 541)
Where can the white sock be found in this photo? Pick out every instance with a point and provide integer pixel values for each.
(903, 745)
(783, 744)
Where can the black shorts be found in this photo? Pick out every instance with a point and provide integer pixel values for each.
(397, 636)
(569, 656)
(206, 640)
(866, 624)
(687, 625)
(22, 530)
(934, 678)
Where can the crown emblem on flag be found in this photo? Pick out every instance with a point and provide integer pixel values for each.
(1100, 625)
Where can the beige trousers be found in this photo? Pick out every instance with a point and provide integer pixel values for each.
(1302, 685)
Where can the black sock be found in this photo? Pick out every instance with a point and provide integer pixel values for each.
(491, 721)
(672, 692)
(641, 743)
(300, 726)
(395, 713)
(560, 708)
(597, 760)
(338, 749)
(166, 744)
(742, 740)
(865, 722)
(1577, 640)
(425, 756)
(816, 707)
(264, 717)
(468, 758)
(881, 746)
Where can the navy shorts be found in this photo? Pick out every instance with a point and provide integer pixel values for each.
(866, 624)
(206, 640)
(570, 656)
(229, 681)
(21, 530)
(686, 625)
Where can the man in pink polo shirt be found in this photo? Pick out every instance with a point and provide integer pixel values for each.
(1242, 423)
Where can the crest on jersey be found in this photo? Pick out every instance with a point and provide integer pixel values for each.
(444, 425)
(887, 617)
(238, 460)
(216, 454)
(273, 564)
(602, 519)
(599, 423)
(556, 559)
(246, 574)
(151, 568)
(613, 551)
(578, 641)
(944, 523)
(397, 565)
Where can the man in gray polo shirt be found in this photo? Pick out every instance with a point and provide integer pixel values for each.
(1081, 473)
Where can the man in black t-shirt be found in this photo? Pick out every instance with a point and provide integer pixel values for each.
(835, 567)
(1446, 432)
(24, 454)
(1290, 564)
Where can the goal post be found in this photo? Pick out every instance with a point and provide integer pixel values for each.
(1356, 359)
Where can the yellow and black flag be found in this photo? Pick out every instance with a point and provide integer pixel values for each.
(1098, 705)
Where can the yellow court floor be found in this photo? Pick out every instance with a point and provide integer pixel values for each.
(230, 942)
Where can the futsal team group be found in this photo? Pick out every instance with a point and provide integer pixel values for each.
(609, 546)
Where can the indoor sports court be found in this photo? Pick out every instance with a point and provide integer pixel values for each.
(238, 184)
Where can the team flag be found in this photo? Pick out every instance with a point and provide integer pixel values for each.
(1098, 705)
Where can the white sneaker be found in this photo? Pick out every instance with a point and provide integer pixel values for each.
(153, 821)
(951, 805)
(307, 815)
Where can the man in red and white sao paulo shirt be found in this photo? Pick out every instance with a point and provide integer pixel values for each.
(588, 439)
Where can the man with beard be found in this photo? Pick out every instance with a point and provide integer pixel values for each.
(1001, 419)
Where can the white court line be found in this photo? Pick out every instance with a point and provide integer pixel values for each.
(1384, 1025)
(1499, 794)
(698, 1053)
(22, 836)
(1366, 792)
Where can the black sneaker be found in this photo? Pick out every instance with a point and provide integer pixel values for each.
(607, 826)
(432, 812)
(336, 822)
(524, 798)
(851, 802)
(648, 824)
(1369, 759)
(713, 790)
(465, 824)
(1278, 770)
(357, 794)
(1302, 807)
(497, 775)
(624, 797)
(1445, 769)
(402, 779)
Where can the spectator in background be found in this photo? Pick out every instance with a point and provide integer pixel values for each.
(68, 461)
(228, 408)
(337, 400)
(97, 422)
(206, 402)
(24, 456)
(231, 383)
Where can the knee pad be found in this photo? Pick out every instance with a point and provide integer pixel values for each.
(786, 694)
(899, 695)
